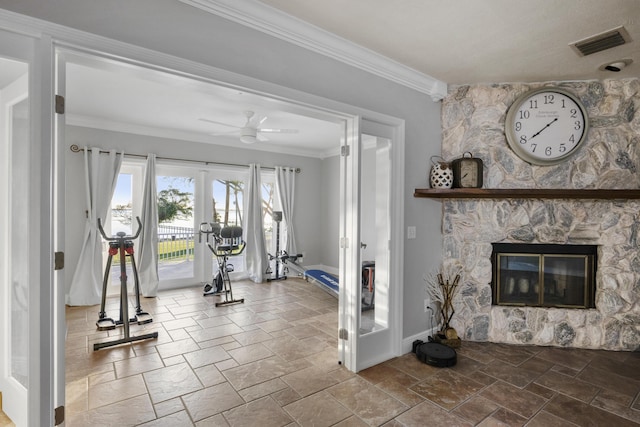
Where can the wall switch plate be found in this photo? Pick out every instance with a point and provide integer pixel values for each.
(426, 305)
(411, 232)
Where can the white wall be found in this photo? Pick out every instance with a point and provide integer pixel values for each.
(330, 211)
(175, 28)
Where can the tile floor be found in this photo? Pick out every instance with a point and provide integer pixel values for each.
(5, 421)
(272, 361)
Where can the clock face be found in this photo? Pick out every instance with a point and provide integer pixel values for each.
(468, 174)
(547, 125)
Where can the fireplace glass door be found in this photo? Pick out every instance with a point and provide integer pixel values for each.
(537, 275)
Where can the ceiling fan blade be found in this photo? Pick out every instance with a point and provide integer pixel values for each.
(279, 130)
(219, 123)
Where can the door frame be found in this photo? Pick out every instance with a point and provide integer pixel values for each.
(54, 38)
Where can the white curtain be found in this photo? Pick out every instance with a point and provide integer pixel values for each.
(285, 191)
(256, 260)
(101, 176)
(148, 242)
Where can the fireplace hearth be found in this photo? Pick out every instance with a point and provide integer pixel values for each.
(544, 275)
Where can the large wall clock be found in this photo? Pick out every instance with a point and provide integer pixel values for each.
(547, 125)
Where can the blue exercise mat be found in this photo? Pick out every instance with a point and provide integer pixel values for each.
(324, 278)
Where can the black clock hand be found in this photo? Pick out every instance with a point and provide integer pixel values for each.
(548, 124)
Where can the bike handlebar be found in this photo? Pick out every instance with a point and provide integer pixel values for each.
(120, 235)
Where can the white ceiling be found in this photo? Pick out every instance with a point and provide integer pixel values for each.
(449, 42)
(120, 97)
(489, 41)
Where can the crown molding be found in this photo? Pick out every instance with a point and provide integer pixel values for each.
(264, 18)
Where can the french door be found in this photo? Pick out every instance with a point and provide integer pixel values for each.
(370, 240)
(15, 272)
(28, 368)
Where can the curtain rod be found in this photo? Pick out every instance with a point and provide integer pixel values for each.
(76, 149)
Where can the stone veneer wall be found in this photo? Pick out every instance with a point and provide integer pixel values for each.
(473, 120)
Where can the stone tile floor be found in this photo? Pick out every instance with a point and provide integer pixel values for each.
(272, 361)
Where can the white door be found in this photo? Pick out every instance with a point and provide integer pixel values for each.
(371, 245)
(15, 274)
(25, 375)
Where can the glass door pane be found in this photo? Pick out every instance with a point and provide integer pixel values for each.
(518, 278)
(175, 227)
(566, 280)
(15, 250)
(19, 247)
(121, 220)
(228, 209)
(374, 234)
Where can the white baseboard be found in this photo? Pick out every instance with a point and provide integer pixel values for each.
(407, 343)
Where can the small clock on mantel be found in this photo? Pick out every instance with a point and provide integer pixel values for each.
(547, 125)
(467, 171)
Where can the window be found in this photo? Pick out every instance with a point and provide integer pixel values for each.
(181, 208)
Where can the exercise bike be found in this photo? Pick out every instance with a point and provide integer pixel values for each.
(122, 245)
(227, 242)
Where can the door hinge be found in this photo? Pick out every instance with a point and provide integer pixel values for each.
(345, 150)
(344, 242)
(58, 260)
(59, 415)
(343, 334)
(59, 104)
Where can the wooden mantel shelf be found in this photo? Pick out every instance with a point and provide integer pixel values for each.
(525, 193)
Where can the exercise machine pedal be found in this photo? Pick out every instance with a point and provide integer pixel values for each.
(105, 324)
(143, 318)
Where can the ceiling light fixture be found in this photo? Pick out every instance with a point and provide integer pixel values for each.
(615, 66)
(248, 135)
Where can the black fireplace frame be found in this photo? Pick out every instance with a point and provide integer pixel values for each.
(524, 249)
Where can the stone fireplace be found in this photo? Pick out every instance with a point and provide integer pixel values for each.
(473, 120)
(560, 276)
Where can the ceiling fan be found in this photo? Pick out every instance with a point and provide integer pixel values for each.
(251, 131)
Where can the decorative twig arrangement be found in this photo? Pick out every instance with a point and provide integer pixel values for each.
(448, 292)
(443, 288)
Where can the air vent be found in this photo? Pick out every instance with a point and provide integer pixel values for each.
(603, 41)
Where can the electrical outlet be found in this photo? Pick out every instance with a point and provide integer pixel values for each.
(411, 232)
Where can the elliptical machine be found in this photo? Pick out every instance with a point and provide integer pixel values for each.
(122, 245)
